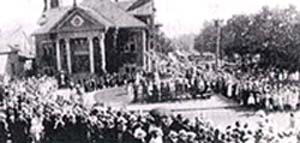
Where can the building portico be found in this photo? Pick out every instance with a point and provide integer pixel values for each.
(95, 37)
(80, 51)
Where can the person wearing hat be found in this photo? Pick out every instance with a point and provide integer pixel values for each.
(21, 129)
(37, 127)
(191, 137)
(156, 136)
(3, 128)
(120, 127)
(172, 137)
(139, 135)
(182, 136)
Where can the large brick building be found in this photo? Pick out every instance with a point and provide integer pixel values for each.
(95, 36)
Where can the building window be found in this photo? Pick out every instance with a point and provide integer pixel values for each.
(132, 48)
(151, 45)
(126, 49)
(13, 69)
(133, 69)
(63, 54)
(49, 54)
(127, 69)
(130, 68)
(80, 55)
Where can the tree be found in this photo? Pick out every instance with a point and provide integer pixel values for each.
(162, 43)
(206, 41)
(272, 33)
(184, 42)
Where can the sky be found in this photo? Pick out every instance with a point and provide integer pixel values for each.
(178, 17)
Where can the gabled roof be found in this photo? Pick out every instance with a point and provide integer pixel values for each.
(100, 18)
(7, 49)
(137, 7)
(50, 18)
(146, 8)
(125, 4)
(138, 3)
(105, 11)
(113, 13)
(16, 38)
(89, 15)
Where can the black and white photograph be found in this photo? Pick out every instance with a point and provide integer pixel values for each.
(149, 71)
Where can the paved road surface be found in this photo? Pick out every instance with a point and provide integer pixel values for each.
(221, 111)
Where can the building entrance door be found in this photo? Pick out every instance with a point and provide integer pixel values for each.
(80, 55)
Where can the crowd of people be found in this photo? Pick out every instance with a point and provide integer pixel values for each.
(31, 111)
(259, 91)
(95, 82)
(153, 88)
(248, 89)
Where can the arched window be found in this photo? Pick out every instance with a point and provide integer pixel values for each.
(49, 54)
(151, 45)
(132, 47)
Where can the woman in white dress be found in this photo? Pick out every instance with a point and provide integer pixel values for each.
(280, 101)
(251, 100)
(267, 101)
(130, 91)
(36, 128)
(294, 99)
(230, 88)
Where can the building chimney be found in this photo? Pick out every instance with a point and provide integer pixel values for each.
(45, 5)
(74, 3)
(54, 4)
(50, 4)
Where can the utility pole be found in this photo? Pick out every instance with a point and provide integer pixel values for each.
(218, 42)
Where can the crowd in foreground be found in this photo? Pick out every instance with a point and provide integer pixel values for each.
(32, 112)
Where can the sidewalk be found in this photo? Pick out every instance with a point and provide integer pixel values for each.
(214, 103)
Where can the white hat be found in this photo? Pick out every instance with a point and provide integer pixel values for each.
(182, 134)
(2, 115)
(121, 120)
(191, 135)
(173, 134)
(139, 133)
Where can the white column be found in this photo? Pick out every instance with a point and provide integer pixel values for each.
(144, 44)
(58, 55)
(91, 49)
(103, 56)
(68, 49)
